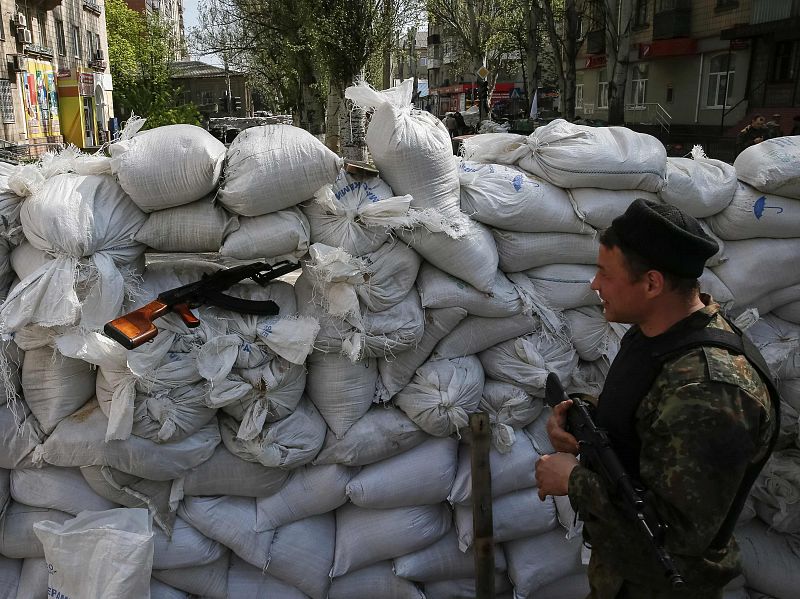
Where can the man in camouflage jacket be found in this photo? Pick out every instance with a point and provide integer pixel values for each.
(688, 434)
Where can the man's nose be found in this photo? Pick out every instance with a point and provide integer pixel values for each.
(593, 284)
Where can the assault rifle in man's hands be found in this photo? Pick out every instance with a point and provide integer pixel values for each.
(595, 447)
(135, 328)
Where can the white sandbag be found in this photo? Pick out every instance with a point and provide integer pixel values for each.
(273, 167)
(120, 571)
(226, 474)
(772, 166)
(711, 284)
(437, 289)
(365, 536)
(230, 521)
(245, 580)
(302, 554)
(383, 432)
(442, 394)
(184, 547)
(20, 434)
(526, 361)
(756, 267)
(62, 489)
(397, 371)
(592, 335)
(207, 580)
(565, 286)
(753, 214)
(515, 515)
(589, 377)
(7, 275)
(355, 213)
(79, 440)
(287, 443)
(509, 198)
(55, 386)
(537, 433)
(5, 490)
(511, 471)
(310, 491)
(420, 476)
(494, 148)
(411, 148)
(197, 227)
(34, 579)
(477, 333)
(391, 272)
(464, 588)
(777, 491)
(700, 186)
(569, 155)
(443, 560)
(133, 491)
(10, 574)
(522, 251)
(789, 312)
(10, 205)
(282, 235)
(17, 538)
(769, 559)
(168, 166)
(160, 590)
(535, 562)
(598, 207)
(472, 257)
(341, 390)
(87, 223)
(509, 407)
(571, 587)
(779, 300)
(779, 343)
(377, 580)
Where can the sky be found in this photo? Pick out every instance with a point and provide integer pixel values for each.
(190, 20)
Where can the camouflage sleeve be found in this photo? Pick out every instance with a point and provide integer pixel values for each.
(589, 496)
(695, 448)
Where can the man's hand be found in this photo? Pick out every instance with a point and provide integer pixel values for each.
(552, 473)
(556, 429)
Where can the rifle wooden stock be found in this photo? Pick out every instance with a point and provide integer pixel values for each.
(135, 328)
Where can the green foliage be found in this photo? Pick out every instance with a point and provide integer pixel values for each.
(139, 52)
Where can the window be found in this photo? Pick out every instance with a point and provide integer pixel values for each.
(97, 46)
(640, 14)
(670, 94)
(61, 42)
(76, 42)
(6, 101)
(579, 96)
(662, 5)
(639, 85)
(784, 67)
(41, 21)
(720, 78)
(602, 90)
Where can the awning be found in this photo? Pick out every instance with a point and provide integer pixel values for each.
(661, 48)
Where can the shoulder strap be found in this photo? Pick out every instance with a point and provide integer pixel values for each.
(737, 343)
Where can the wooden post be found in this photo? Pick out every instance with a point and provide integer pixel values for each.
(482, 525)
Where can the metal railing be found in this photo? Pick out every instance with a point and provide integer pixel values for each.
(648, 113)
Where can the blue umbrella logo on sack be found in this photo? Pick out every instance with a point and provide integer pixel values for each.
(761, 204)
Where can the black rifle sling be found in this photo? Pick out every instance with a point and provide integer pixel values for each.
(739, 344)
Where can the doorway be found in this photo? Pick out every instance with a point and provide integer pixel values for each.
(88, 123)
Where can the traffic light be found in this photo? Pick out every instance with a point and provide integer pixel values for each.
(237, 103)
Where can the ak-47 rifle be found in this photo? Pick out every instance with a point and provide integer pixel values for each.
(135, 328)
(596, 448)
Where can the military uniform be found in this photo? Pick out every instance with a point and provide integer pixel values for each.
(704, 420)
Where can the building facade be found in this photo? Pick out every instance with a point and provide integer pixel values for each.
(681, 70)
(171, 14)
(215, 91)
(56, 85)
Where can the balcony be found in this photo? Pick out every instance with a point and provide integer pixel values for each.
(92, 6)
(39, 50)
(434, 39)
(676, 22)
(765, 11)
(596, 42)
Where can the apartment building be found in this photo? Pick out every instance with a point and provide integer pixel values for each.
(171, 14)
(681, 69)
(56, 84)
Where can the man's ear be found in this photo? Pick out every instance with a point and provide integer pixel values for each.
(655, 283)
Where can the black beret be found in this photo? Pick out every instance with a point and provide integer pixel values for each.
(669, 239)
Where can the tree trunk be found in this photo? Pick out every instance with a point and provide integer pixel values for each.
(353, 131)
(532, 55)
(618, 41)
(335, 107)
(570, 55)
(557, 43)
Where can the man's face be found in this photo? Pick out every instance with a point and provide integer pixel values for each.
(759, 122)
(623, 298)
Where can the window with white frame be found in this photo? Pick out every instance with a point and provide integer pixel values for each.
(41, 22)
(6, 101)
(602, 90)
(76, 41)
(61, 41)
(639, 84)
(721, 71)
(579, 96)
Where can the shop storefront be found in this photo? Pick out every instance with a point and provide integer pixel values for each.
(40, 101)
(81, 123)
(458, 98)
